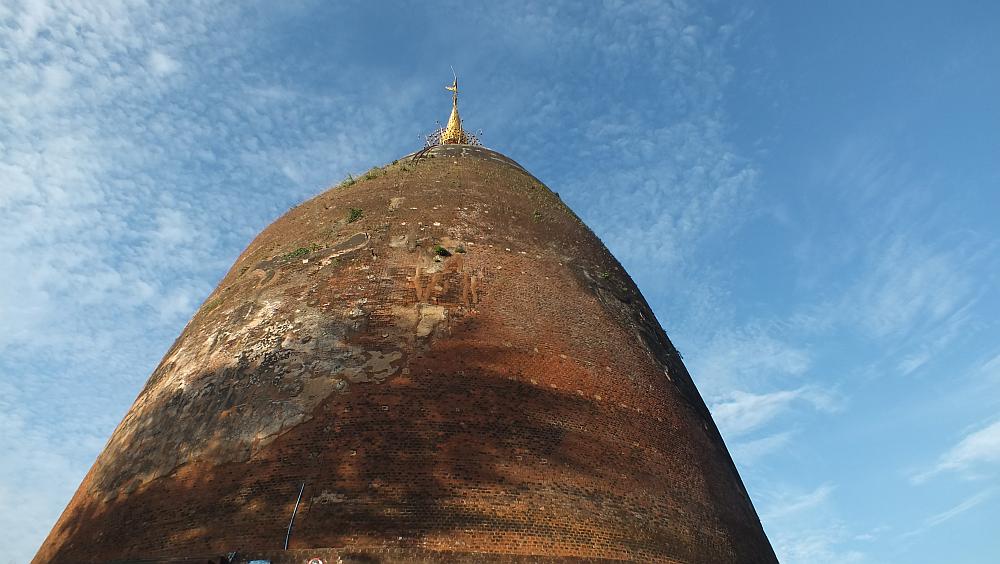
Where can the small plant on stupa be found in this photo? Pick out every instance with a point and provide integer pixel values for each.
(354, 215)
(212, 304)
(441, 251)
(301, 251)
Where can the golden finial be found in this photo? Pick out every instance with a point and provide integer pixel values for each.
(453, 133)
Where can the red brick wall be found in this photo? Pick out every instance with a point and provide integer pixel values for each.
(518, 398)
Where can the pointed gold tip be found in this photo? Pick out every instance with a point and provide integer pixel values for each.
(453, 133)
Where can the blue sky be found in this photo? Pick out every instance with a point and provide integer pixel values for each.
(807, 194)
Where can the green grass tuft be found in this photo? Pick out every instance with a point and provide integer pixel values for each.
(212, 304)
(301, 252)
(354, 214)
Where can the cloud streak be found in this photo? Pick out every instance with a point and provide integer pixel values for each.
(802, 529)
(978, 453)
(742, 412)
(949, 514)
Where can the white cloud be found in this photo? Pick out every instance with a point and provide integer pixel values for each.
(991, 368)
(891, 262)
(669, 178)
(977, 453)
(947, 515)
(742, 412)
(746, 359)
(803, 529)
(962, 507)
(750, 378)
(788, 506)
(748, 453)
(162, 64)
(816, 546)
(56, 460)
(909, 287)
(173, 229)
(914, 361)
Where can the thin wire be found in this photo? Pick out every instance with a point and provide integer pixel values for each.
(294, 511)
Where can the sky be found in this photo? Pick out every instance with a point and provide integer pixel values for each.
(806, 193)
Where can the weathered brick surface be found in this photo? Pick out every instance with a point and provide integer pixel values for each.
(517, 399)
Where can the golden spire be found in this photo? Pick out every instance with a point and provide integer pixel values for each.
(453, 134)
